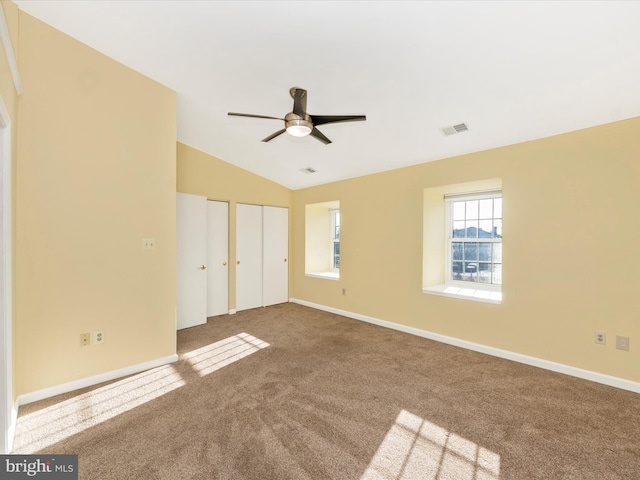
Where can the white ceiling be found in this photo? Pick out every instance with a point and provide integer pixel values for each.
(513, 71)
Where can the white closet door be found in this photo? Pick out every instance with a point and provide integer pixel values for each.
(217, 258)
(248, 256)
(191, 276)
(275, 224)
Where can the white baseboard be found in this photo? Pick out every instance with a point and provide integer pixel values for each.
(232, 311)
(496, 352)
(11, 428)
(94, 380)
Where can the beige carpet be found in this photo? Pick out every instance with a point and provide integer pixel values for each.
(288, 392)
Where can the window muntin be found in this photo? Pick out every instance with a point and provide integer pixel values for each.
(474, 239)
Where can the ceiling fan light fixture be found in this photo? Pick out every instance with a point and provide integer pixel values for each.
(298, 130)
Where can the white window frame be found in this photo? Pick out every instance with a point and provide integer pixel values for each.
(449, 240)
(333, 239)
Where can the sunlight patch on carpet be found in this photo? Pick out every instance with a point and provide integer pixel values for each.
(213, 357)
(417, 448)
(48, 426)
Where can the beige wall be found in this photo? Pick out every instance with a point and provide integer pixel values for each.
(96, 174)
(201, 174)
(571, 263)
(10, 99)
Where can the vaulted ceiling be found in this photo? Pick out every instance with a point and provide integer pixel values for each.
(511, 71)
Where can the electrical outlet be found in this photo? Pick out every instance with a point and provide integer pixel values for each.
(85, 339)
(148, 243)
(622, 343)
(601, 338)
(98, 337)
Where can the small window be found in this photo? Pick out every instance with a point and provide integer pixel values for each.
(335, 240)
(322, 240)
(474, 240)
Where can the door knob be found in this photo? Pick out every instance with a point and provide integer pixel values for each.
(238, 262)
(203, 267)
(285, 259)
(224, 264)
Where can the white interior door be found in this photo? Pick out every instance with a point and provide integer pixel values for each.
(275, 224)
(248, 256)
(217, 258)
(191, 281)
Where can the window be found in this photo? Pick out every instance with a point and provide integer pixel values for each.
(474, 240)
(322, 240)
(335, 240)
(462, 240)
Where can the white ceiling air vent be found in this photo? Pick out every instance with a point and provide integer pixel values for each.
(452, 130)
(308, 170)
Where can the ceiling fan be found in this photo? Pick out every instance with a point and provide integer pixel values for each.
(299, 123)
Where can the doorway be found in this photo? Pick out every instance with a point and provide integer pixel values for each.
(7, 417)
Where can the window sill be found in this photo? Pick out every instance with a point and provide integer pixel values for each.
(327, 275)
(474, 294)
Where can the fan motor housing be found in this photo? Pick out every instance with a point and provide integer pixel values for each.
(297, 125)
(292, 119)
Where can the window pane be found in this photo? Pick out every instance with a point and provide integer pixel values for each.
(497, 228)
(484, 252)
(485, 229)
(486, 208)
(456, 251)
(470, 272)
(497, 208)
(484, 272)
(335, 236)
(458, 229)
(471, 251)
(472, 228)
(497, 253)
(472, 210)
(458, 210)
(456, 270)
(497, 273)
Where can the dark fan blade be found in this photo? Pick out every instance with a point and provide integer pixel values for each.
(317, 134)
(252, 116)
(274, 135)
(299, 101)
(324, 119)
